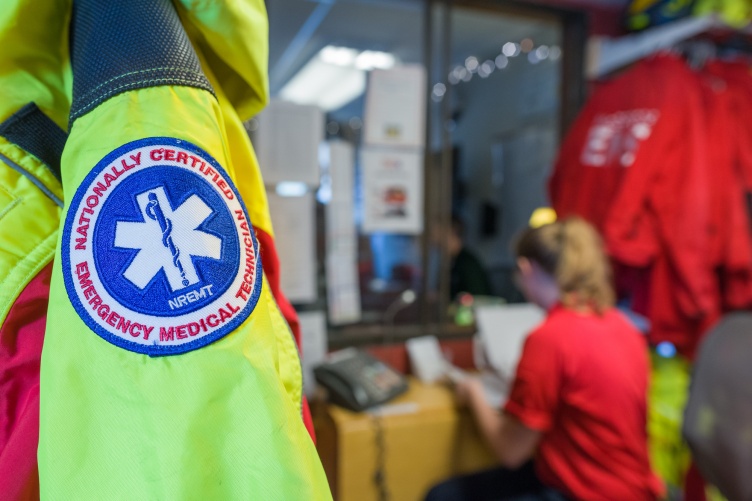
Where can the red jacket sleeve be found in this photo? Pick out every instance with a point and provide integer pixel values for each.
(731, 146)
(668, 186)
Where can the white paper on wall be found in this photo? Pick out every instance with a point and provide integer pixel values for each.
(395, 107)
(294, 222)
(343, 291)
(313, 345)
(392, 190)
(342, 280)
(287, 143)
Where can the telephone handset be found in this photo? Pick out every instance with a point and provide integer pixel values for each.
(358, 381)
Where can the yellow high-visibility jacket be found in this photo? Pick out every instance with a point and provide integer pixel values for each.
(168, 370)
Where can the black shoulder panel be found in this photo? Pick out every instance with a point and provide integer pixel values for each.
(121, 45)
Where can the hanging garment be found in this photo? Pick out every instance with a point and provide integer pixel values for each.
(33, 113)
(729, 231)
(738, 77)
(168, 370)
(30, 206)
(633, 164)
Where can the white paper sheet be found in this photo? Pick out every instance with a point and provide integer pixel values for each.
(294, 222)
(342, 172)
(426, 360)
(287, 143)
(502, 330)
(396, 107)
(313, 345)
(392, 190)
(343, 292)
(342, 281)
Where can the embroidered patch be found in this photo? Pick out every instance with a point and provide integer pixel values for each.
(158, 253)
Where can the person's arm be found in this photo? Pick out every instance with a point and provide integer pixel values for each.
(512, 442)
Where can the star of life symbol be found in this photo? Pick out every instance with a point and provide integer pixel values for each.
(159, 256)
(167, 240)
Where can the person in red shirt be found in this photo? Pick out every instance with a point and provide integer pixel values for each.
(577, 406)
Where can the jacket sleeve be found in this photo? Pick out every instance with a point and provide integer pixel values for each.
(33, 108)
(169, 372)
(233, 38)
(670, 197)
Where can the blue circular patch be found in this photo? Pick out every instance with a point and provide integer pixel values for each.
(159, 256)
(122, 206)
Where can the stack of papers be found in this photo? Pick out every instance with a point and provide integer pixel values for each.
(502, 330)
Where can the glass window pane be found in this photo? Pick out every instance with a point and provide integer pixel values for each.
(321, 53)
(503, 88)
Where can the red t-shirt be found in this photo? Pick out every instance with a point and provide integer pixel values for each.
(582, 382)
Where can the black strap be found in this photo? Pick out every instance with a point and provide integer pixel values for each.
(34, 132)
(118, 46)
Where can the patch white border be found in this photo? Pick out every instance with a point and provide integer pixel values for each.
(212, 319)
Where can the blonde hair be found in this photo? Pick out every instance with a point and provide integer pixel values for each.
(571, 251)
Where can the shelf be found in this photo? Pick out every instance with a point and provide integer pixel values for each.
(605, 54)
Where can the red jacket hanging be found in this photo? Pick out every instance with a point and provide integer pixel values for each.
(634, 164)
(738, 76)
(730, 237)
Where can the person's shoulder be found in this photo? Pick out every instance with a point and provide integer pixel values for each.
(549, 338)
(625, 333)
(556, 319)
(619, 320)
(564, 319)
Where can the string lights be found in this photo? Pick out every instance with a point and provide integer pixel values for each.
(510, 50)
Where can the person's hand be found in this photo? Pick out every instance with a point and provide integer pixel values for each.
(465, 389)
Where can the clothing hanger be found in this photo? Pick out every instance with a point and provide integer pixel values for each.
(697, 52)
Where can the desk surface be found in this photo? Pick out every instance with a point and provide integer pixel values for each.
(426, 439)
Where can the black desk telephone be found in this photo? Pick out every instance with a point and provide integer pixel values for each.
(357, 381)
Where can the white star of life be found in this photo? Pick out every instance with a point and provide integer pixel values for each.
(154, 254)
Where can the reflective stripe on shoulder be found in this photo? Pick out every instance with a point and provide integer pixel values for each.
(28, 175)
